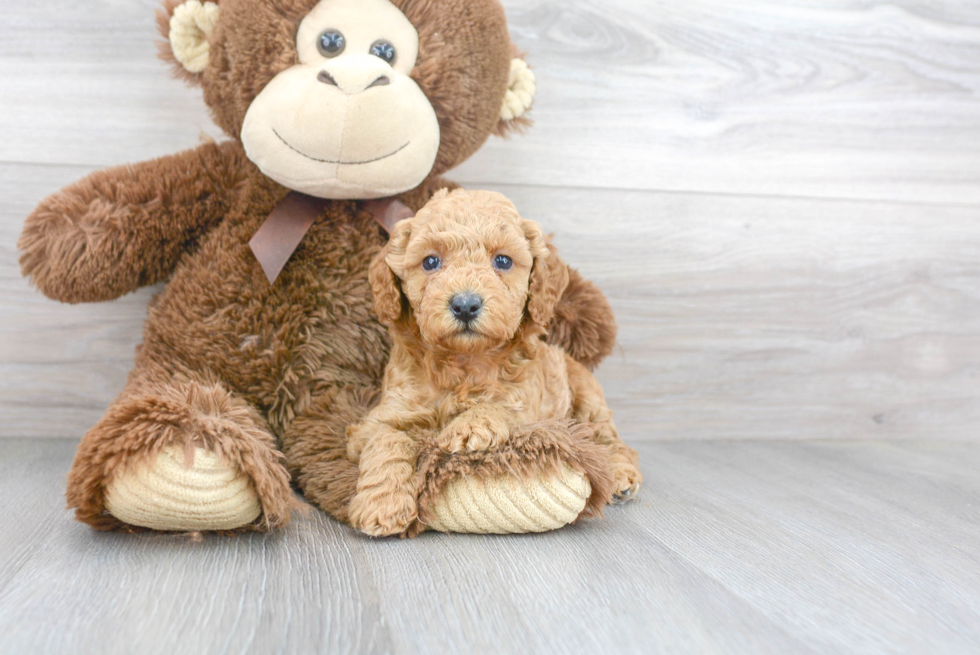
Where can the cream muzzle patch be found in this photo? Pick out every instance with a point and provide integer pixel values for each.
(347, 121)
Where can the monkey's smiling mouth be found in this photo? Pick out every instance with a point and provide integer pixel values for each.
(340, 161)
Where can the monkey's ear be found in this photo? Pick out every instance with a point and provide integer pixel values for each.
(187, 25)
(549, 276)
(518, 98)
(385, 286)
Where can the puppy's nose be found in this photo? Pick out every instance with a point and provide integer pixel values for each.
(466, 306)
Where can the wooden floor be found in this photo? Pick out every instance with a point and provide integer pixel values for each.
(763, 547)
(782, 202)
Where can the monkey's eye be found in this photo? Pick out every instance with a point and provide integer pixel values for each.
(431, 263)
(331, 43)
(502, 262)
(383, 49)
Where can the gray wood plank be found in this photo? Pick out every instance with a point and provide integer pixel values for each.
(843, 529)
(849, 98)
(762, 547)
(752, 318)
(741, 317)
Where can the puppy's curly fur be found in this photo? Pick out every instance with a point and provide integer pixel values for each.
(466, 380)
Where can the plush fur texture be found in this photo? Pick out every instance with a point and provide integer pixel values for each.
(126, 227)
(466, 385)
(228, 361)
(582, 326)
(188, 414)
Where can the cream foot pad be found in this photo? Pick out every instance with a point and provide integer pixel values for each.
(508, 505)
(167, 495)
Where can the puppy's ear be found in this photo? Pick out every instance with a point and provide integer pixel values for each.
(389, 303)
(549, 276)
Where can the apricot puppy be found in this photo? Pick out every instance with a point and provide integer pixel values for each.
(467, 288)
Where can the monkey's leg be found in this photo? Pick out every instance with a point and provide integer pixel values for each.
(315, 445)
(546, 476)
(180, 455)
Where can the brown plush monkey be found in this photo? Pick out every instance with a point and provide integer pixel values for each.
(341, 101)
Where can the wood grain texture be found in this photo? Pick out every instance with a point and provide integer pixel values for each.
(741, 317)
(844, 98)
(732, 547)
(773, 300)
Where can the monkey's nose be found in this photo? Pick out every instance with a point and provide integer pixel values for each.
(355, 74)
(466, 306)
(327, 78)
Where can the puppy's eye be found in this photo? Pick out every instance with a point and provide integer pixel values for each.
(431, 263)
(331, 43)
(502, 262)
(384, 50)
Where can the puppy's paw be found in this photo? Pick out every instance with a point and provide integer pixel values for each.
(484, 433)
(628, 481)
(382, 512)
(356, 441)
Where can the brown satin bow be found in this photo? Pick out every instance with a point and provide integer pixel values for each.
(281, 233)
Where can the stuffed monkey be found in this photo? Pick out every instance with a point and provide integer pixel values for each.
(263, 347)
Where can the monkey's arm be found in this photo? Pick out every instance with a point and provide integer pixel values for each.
(125, 227)
(584, 324)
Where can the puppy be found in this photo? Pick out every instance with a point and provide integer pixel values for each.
(467, 288)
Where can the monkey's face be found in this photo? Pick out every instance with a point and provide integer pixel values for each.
(346, 121)
(351, 99)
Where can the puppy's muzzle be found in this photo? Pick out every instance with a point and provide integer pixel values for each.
(466, 307)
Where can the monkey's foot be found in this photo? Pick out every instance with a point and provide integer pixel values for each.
(169, 493)
(509, 505)
(547, 475)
